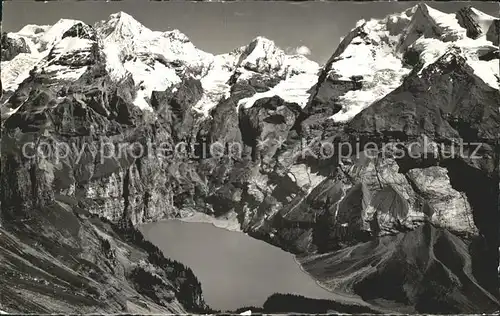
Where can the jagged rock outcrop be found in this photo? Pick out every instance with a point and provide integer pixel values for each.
(465, 17)
(493, 33)
(380, 270)
(61, 258)
(478, 24)
(11, 47)
(435, 103)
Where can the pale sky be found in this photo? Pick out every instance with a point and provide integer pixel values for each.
(221, 27)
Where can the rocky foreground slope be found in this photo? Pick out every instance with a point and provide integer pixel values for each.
(402, 225)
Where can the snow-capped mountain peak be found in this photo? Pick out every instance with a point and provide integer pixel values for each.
(419, 77)
(155, 60)
(262, 55)
(43, 37)
(380, 53)
(431, 23)
(260, 58)
(49, 52)
(130, 37)
(377, 53)
(121, 26)
(478, 24)
(55, 33)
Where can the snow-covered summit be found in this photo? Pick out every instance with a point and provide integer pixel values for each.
(46, 44)
(431, 23)
(378, 54)
(155, 60)
(124, 36)
(262, 55)
(377, 51)
(121, 25)
(129, 36)
(45, 36)
(477, 23)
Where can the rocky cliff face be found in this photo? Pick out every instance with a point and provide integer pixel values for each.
(61, 258)
(11, 47)
(97, 124)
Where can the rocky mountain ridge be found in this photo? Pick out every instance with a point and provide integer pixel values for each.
(356, 220)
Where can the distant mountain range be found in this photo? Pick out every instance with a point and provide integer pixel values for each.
(416, 232)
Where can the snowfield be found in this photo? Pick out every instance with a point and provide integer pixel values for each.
(294, 90)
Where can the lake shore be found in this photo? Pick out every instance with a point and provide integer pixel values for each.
(234, 269)
(228, 222)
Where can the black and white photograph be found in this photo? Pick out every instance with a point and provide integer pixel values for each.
(249, 157)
